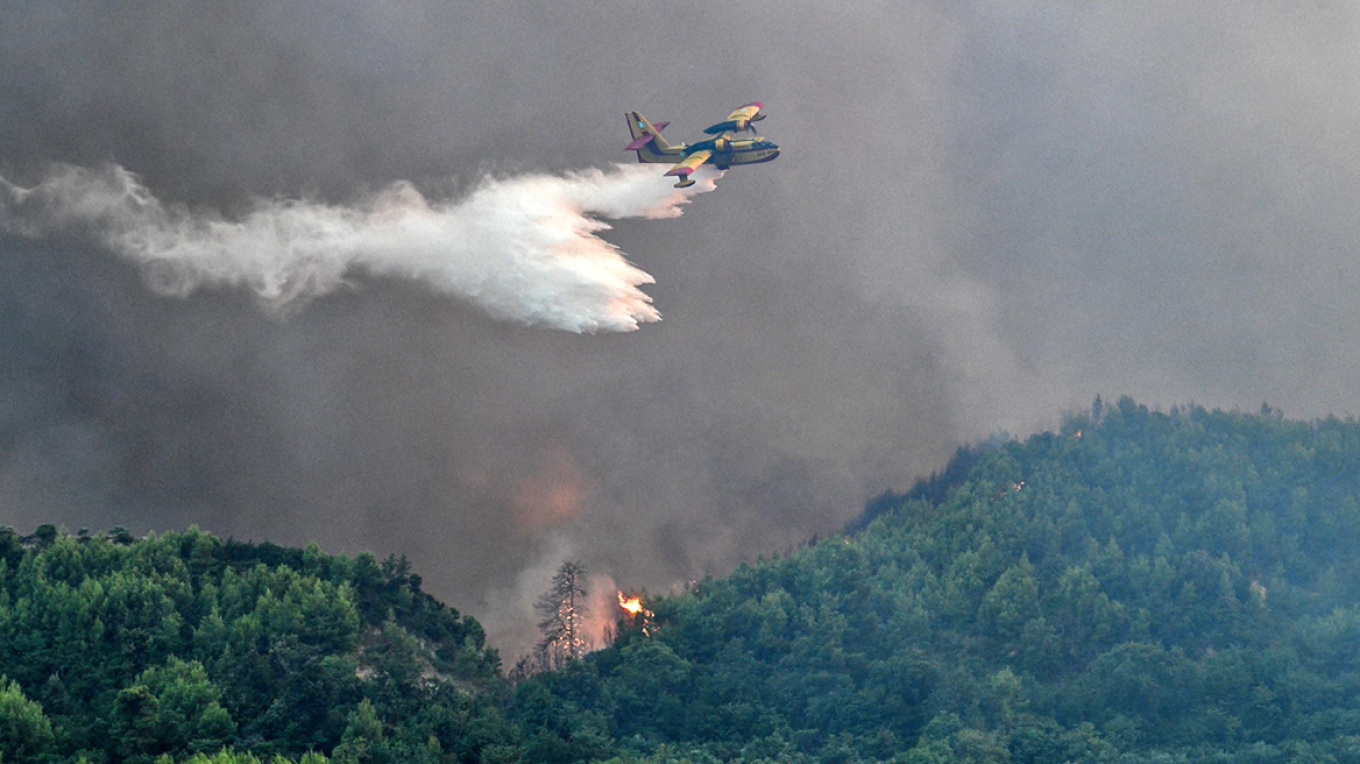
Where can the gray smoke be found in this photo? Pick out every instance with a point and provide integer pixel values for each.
(984, 215)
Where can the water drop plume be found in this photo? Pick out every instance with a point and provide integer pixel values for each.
(524, 248)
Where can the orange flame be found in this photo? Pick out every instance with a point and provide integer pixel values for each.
(631, 604)
(638, 617)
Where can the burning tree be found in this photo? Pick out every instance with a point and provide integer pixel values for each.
(564, 608)
(636, 616)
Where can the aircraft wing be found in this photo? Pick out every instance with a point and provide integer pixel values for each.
(745, 113)
(739, 120)
(690, 163)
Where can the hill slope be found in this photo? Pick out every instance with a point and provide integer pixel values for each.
(1137, 587)
(1160, 587)
(115, 649)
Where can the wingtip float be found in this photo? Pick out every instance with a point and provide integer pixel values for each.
(722, 150)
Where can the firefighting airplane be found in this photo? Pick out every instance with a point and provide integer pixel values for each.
(722, 150)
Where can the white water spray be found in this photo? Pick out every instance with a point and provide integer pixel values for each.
(523, 248)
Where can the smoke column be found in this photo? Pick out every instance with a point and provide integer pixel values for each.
(523, 248)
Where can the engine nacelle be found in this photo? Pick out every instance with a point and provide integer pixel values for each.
(722, 144)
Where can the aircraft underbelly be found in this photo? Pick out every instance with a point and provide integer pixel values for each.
(752, 157)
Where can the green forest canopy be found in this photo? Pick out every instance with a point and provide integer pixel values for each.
(114, 649)
(1138, 586)
(1154, 586)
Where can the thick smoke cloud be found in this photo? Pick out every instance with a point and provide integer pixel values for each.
(983, 215)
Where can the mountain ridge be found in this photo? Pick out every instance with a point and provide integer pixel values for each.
(1137, 584)
(1134, 586)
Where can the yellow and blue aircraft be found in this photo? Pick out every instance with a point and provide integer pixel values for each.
(722, 150)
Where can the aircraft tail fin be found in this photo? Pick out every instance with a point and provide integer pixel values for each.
(648, 141)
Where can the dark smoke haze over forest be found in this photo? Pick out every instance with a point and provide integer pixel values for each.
(985, 214)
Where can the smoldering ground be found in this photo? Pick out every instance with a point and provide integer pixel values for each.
(982, 216)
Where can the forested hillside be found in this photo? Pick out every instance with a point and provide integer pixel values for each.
(1140, 586)
(116, 649)
(1137, 587)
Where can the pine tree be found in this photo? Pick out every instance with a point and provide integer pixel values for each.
(564, 609)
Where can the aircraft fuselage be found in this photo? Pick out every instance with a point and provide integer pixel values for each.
(727, 152)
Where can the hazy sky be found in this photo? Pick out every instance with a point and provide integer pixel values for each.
(985, 214)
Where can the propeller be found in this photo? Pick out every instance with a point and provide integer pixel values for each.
(752, 124)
